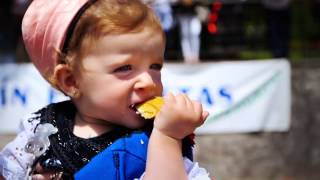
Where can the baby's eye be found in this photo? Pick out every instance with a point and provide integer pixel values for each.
(123, 68)
(156, 66)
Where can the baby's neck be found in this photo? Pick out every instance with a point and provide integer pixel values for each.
(85, 129)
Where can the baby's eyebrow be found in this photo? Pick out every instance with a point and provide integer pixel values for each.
(120, 60)
(159, 60)
(123, 61)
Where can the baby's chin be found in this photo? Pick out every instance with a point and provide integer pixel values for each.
(138, 124)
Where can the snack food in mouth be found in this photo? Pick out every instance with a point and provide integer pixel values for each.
(150, 108)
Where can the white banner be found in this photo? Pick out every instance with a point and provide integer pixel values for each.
(22, 91)
(241, 96)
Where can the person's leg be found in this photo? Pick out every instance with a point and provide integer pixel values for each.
(195, 30)
(278, 31)
(184, 35)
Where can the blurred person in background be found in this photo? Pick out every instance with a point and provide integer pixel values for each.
(190, 29)
(163, 10)
(6, 45)
(278, 26)
(18, 9)
(315, 10)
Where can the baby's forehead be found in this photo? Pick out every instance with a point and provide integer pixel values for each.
(132, 42)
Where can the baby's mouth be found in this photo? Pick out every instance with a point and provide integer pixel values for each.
(134, 108)
(148, 109)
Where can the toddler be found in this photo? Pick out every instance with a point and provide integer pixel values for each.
(106, 55)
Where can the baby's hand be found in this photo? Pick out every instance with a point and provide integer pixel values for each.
(42, 174)
(179, 116)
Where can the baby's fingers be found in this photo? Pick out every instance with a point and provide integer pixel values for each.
(197, 108)
(188, 101)
(47, 176)
(169, 98)
(205, 115)
(43, 174)
(201, 114)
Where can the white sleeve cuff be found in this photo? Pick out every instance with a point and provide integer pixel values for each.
(193, 170)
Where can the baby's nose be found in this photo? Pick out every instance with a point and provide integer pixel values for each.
(145, 81)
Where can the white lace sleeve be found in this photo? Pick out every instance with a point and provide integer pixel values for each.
(194, 171)
(14, 160)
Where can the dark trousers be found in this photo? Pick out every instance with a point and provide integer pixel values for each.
(278, 31)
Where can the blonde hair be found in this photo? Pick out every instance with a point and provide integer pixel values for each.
(108, 17)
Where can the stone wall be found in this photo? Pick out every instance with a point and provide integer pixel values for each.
(293, 155)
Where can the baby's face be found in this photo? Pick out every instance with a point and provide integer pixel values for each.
(119, 72)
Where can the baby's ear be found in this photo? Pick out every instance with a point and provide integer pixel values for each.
(65, 80)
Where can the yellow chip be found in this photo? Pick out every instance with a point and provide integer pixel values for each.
(149, 109)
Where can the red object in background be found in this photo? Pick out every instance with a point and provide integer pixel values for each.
(191, 138)
(213, 17)
(217, 6)
(212, 28)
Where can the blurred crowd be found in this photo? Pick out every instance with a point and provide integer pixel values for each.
(11, 45)
(184, 22)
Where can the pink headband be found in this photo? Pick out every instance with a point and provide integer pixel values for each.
(44, 28)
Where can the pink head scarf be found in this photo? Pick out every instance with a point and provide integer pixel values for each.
(44, 29)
